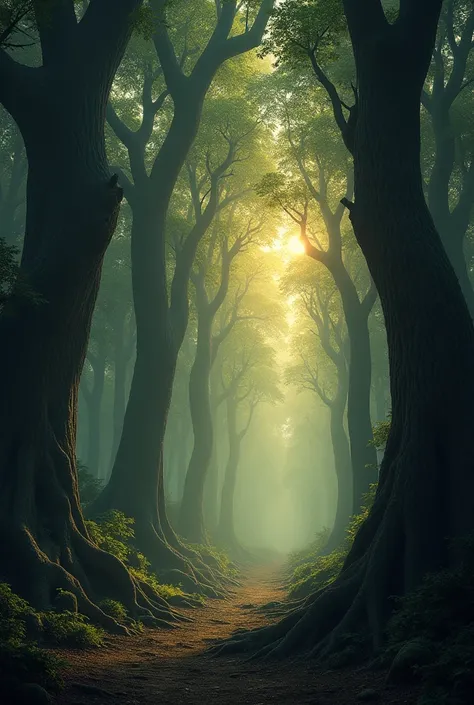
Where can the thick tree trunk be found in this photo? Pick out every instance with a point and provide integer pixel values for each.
(72, 208)
(136, 485)
(191, 515)
(425, 498)
(44, 543)
(139, 492)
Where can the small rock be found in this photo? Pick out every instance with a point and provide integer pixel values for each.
(32, 694)
(414, 653)
(368, 695)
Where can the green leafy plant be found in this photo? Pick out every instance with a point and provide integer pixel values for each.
(89, 486)
(312, 571)
(71, 630)
(22, 661)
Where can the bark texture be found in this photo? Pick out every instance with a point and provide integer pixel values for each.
(44, 541)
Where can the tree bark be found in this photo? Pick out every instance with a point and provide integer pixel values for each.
(72, 208)
(425, 497)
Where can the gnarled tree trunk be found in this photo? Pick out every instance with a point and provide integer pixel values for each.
(72, 208)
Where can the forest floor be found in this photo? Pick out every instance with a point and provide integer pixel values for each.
(173, 668)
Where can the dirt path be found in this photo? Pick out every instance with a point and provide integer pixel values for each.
(171, 668)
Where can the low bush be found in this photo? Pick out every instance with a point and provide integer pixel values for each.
(311, 571)
(440, 614)
(22, 661)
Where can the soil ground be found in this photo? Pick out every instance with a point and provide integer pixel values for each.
(173, 668)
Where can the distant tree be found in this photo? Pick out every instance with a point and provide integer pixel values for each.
(160, 296)
(296, 198)
(447, 98)
(314, 346)
(248, 379)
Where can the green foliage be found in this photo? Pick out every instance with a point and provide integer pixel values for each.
(26, 663)
(70, 630)
(13, 610)
(441, 613)
(114, 609)
(20, 660)
(113, 532)
(381, 432)
(312, 571)
(89, 486)
(299, 28)
(209, 553)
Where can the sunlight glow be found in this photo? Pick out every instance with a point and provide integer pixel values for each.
(295, 246)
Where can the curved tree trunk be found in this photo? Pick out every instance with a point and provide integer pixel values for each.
(191, 523)
(427, 471)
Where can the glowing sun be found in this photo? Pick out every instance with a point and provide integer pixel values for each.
(295, 246)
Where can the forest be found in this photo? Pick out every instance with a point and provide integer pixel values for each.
(237, 352)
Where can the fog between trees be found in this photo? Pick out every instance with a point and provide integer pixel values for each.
(220, 221)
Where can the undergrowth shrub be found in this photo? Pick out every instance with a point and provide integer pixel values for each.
(89, 486)
(22, 661)
(213, 556)
(70, 630)
(114, 533)
(440, 614)
(312, 571)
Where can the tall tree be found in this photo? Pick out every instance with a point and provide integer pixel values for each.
(161, 301)
(72, 207)
(315, 346)
(425, 497)
(296, 198)
(446, 96)
(248, 379)
(208, 303)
